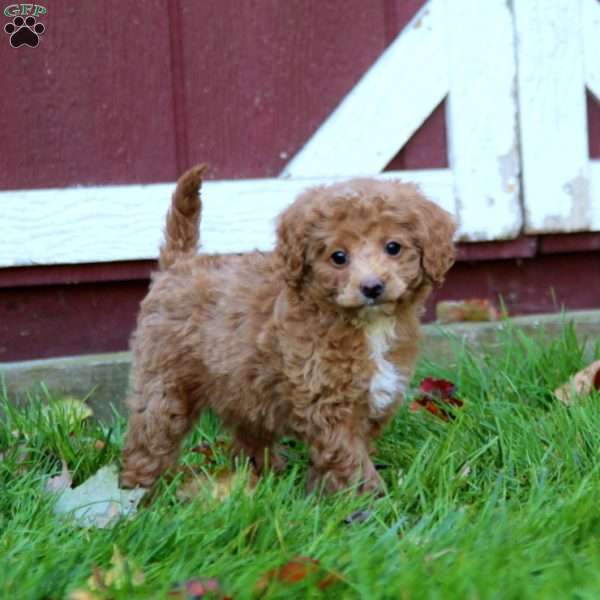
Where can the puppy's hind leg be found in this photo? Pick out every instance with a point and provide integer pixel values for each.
(158, 422)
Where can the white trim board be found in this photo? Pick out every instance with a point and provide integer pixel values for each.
(383, 110)
(469, 50)
(481, 118)
(555, 46)
(116, 223)
(590, 20)
(434, 56)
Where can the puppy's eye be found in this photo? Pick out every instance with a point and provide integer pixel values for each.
(393, 248)
(339, 258)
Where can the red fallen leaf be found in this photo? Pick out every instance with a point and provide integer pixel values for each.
(294, 571)
(437, 387)
(434, 394)
(198, 588)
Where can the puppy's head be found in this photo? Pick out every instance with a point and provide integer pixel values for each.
(364, 242)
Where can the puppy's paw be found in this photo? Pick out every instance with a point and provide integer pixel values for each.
(373, 484)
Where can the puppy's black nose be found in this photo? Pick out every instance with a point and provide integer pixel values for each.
(372, 289)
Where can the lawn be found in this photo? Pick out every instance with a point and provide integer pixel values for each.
(501, 501)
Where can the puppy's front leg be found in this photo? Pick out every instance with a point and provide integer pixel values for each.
(340, 458)
(258, 445)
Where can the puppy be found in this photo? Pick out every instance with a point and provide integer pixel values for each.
(316, 340)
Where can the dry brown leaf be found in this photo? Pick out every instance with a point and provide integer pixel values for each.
(99, 445)
(581, 384)
(218, 486)
(122, 573)
(208, 451)
(457, 311)
(81, 594)
(294, 571)
(61, 482)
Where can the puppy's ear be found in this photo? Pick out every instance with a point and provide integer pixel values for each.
(290, 249)
(436, 230)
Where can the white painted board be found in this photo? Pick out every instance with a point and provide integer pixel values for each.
(554, 147)
(482, 118)
(115, 223)
(385, 108)
(590, 21)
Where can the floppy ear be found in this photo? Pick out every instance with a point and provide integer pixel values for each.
(290, 249)
(437, 228)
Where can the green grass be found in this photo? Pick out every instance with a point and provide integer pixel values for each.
(524, 522)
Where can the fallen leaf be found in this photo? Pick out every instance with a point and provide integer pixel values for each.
(456, 311)
(294, 571)
(197, 588)
(441, 388)
(99, 445)
(81, 594)
(123, 572)
(358, 516)
(21, 452)
(465, 471)
(58, 483)
(401, 477)
(581, 384)
(208, 451)
(219, 486)
(434, 395)
(98, 501)
(71, 409)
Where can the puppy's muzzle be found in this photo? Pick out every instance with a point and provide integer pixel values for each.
(372, 288)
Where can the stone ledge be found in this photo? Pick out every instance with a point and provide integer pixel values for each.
(104, 377)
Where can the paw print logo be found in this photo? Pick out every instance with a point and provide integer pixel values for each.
(24, 32)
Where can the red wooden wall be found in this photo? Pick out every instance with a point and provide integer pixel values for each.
(128, 92)
(125, 91)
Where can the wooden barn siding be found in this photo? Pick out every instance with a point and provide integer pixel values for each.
(67, 310)
(93, 103)
(139, 90)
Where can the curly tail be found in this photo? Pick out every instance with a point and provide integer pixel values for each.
(183, 219)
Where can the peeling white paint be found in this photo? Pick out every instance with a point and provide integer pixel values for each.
(554, 145)
(482, 119)
(385, 108)
(112, 223)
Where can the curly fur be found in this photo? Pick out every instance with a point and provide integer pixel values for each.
(286, 343)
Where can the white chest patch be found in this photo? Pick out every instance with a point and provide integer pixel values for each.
(387, 381)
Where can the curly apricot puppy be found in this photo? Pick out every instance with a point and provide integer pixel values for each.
(316, 340)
